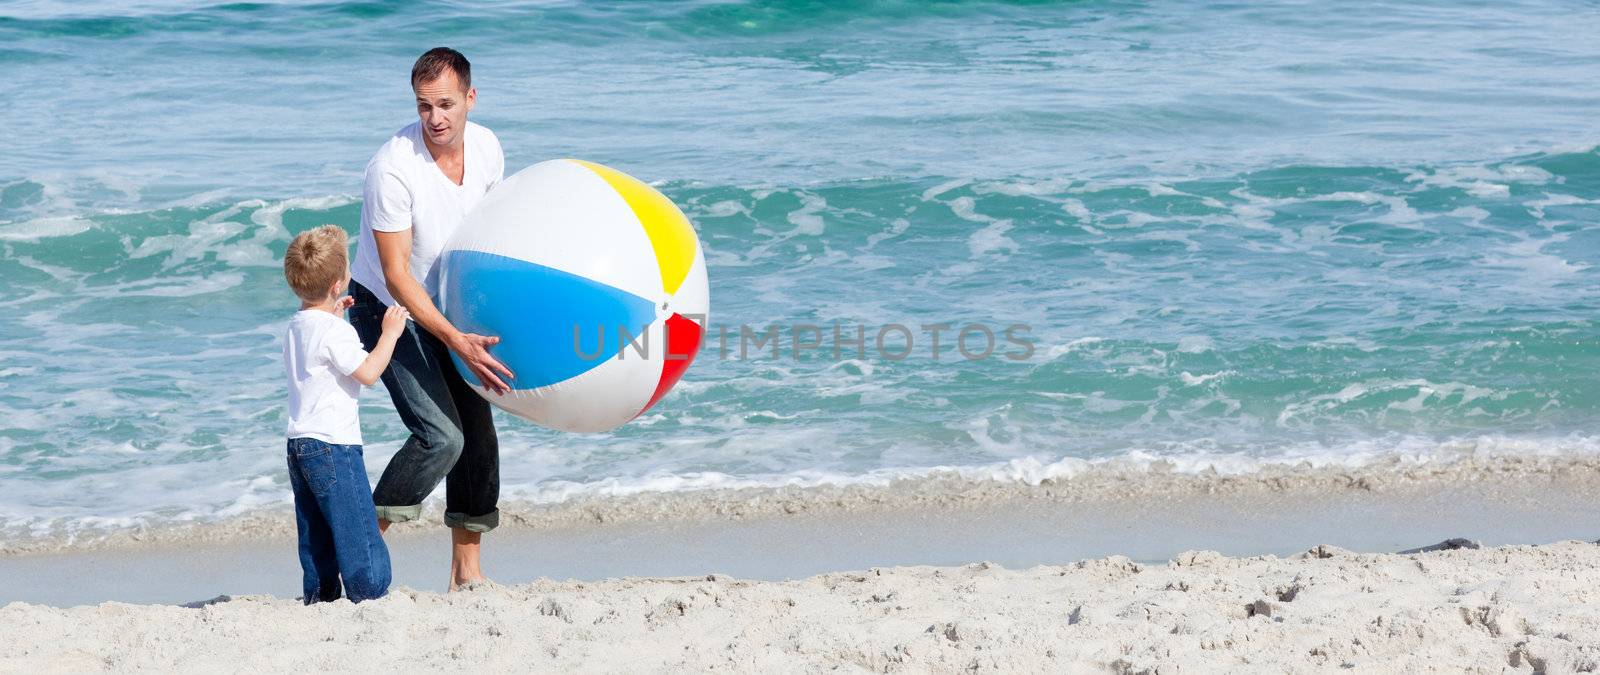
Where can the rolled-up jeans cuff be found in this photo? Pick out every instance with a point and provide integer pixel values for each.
(399, 514)
(483, 523)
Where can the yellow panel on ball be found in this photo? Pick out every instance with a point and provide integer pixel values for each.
(669, 230)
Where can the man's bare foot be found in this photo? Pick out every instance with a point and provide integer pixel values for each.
(465, 574)
(383, 526)
(480, 584)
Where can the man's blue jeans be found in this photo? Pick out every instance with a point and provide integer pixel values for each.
(452, 428)
(338, 528)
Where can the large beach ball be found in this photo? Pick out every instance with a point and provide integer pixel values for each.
(595, 284)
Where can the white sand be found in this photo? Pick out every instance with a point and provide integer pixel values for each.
(1517, 608)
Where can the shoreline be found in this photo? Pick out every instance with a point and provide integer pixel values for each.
(1523, 608)
(938, 489)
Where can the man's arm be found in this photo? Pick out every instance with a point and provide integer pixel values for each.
(394, 253)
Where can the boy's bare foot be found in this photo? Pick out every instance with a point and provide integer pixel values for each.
(383, 526)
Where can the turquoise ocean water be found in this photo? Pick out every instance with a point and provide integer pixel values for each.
(1241, 233)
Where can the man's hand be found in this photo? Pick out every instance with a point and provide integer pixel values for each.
(474, 351)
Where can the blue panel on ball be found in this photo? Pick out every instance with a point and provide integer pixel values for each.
(535, 311)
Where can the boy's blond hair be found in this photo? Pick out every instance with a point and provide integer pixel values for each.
(316, 259)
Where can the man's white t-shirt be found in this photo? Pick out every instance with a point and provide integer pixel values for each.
(320, 351)
(404, 189)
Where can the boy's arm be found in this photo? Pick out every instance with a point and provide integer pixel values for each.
(342, 349)
(377, 360)
(367, 367)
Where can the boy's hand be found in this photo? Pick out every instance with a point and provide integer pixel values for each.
(394, 320)
(344, 303)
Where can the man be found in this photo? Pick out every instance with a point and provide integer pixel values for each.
(418, 187)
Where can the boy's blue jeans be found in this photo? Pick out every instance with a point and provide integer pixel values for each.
(337, 524)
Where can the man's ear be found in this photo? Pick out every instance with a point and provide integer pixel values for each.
(472, 97)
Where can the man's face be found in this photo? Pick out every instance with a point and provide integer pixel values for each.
(443, 104)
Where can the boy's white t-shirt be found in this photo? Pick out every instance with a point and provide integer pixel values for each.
(320, 351)
(404, 189)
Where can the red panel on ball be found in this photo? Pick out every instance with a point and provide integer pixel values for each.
(683, 343)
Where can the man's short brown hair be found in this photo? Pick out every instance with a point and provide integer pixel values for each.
(315, 261)
(432, 64)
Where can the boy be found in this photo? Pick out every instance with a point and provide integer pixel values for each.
(326, 365)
